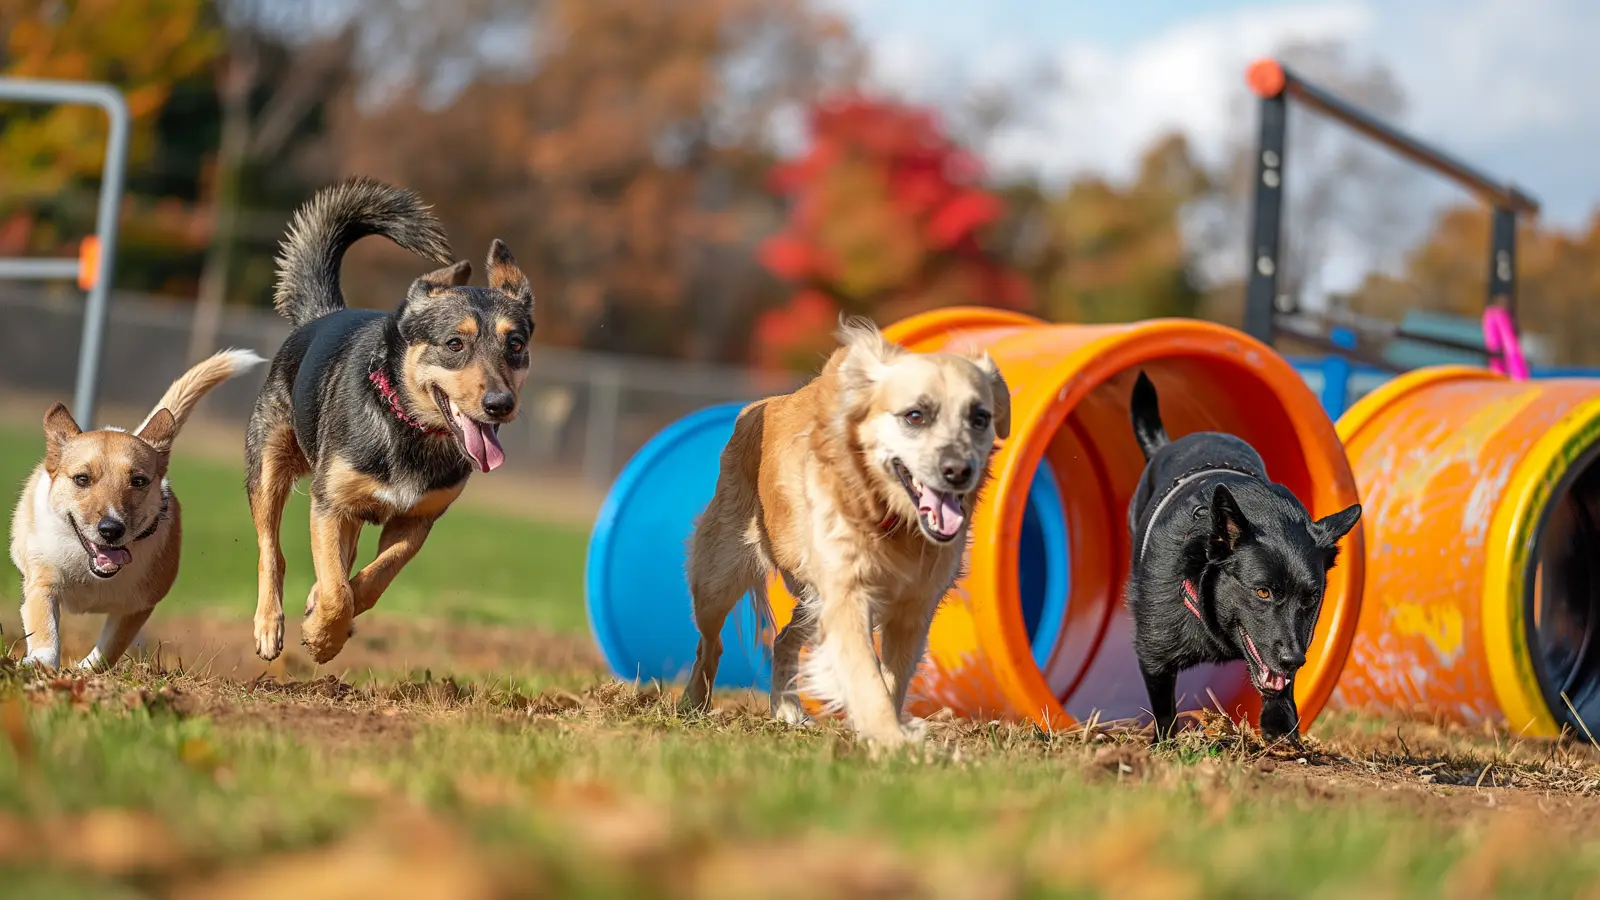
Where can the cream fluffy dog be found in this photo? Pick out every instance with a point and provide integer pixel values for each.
(859, 489)
(97, 529)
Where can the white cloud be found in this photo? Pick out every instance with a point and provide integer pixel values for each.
(1504, 84)
(1107, 105)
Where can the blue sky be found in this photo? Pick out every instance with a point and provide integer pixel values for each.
(1509, 85)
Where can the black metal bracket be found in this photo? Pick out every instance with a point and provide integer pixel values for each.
(1265, 303)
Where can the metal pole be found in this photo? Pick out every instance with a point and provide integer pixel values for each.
(600, 437)
(24, 269)
(1261, 287)
(108, 98)
(1503, 260)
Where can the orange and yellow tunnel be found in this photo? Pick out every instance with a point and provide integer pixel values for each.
(1482, 512)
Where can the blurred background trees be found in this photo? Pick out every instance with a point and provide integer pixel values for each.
(707, 181)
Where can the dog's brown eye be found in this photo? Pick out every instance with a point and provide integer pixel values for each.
(454, 345)
(980, 419)
(80, 480)
(914, 417)
(141, 482)
(1264, 593)
(515, 345)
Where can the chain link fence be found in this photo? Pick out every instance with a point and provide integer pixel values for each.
(583, 414)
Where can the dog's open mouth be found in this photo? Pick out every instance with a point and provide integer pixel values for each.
(938, 512)
(480, 441)
(104, 561)
(1265, 679)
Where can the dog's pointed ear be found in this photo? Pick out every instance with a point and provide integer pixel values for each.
(1000, 392)
(506, 277)
(1330, 530)
(159, 430)
(59, 427)
(453, 275)
(1228, 524)
(863, 356)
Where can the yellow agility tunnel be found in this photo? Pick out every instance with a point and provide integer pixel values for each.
(1071, 387)
(1482, 501)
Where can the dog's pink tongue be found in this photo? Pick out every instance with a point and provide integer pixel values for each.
(483, 441)
(106, 557)
(943, 511)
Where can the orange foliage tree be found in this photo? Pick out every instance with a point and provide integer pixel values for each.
(1122, 251)
(144, 48)
(887, 218)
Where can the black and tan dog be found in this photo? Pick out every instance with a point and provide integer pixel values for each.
(389, 413)
(1227, 565)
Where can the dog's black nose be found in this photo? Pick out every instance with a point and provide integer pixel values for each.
(111, 529)
(499, 404)
(1291, 660)
(957, 474)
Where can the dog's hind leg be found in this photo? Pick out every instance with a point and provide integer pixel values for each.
(273, 462)
(722, 569)
(1163, 689)
(333, 539)
(118, 633)
(41, 621)
(786, 648)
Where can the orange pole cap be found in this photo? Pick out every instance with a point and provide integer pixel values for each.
(1265, 77)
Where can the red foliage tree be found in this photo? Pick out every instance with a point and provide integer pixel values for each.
(886, 219)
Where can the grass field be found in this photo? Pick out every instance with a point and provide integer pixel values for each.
(468, 744)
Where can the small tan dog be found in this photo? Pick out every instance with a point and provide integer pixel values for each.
(97, 529)
(858, 488)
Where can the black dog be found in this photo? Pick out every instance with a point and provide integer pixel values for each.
(387, 412)
(1226, 565)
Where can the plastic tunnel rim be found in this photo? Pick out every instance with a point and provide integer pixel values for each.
(1507, 597)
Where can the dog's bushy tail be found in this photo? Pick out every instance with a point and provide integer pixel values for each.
(325, 227)
(1147, 427)
(181, 398)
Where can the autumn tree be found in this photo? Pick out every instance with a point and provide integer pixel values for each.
(1558, 279)
(48, 153)
(887, 219)
(1122, 253)
(621, 161)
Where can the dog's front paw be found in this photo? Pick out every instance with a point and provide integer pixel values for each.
(94, 662)
(1288, 740)
(269, 636)
(915, 730)
(42, 659)
(901, 737)
(789, 712)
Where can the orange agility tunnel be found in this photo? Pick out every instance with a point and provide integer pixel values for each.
(1482, 511)
(1071, 387)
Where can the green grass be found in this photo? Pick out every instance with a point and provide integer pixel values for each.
(621, 797)
(475, 567)
(609, 793)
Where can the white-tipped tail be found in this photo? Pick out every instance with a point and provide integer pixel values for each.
(185, 393)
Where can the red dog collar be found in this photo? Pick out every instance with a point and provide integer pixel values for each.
(386, 390)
